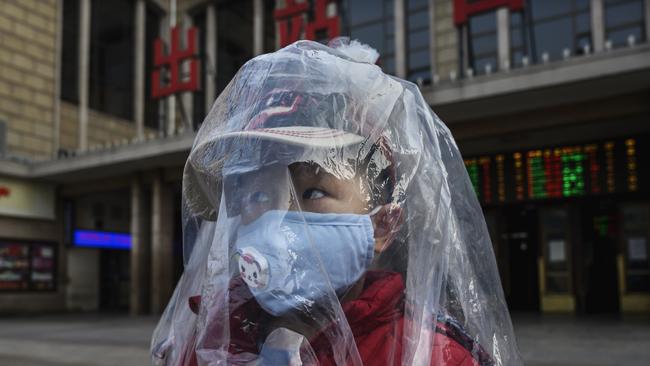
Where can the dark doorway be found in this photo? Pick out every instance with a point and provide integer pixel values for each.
(114, 280)
(600, 228)
(521, 241)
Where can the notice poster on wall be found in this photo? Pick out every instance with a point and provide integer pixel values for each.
(14, 266)
(42, 274)
(27, 266)
(637, 249)
(556, 251)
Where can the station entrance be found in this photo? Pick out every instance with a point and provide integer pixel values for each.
(114, 280)
(519, 240)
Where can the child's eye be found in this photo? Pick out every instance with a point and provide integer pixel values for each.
(258, 197)
(313, 194)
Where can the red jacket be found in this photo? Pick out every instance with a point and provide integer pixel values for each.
(376, 319)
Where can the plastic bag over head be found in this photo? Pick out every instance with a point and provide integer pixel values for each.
(328, 219)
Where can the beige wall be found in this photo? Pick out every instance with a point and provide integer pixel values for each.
(446, 58)
(27, 81)
(102, 127)
(184, 5)
(27, 71)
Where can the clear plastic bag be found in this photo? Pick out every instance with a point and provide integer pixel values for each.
(328, 219)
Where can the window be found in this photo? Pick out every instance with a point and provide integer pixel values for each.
(371, 22)
(151, 106)
(70, 52)
(419, 60)
(111, 57)
(624, 21)
(198, 97)
(269, 26)
(519, 45)
(235, 39)
(234, 48)
(555, 25)
(482, 30)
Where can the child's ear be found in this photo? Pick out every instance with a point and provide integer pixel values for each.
(386, 221)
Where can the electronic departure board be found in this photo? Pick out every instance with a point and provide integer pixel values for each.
(559, 172)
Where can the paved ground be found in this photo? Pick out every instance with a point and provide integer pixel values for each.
(120, 340)
(87, 339)
(582, 341)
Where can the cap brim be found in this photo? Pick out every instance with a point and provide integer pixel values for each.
(305, 136)
(302, 136)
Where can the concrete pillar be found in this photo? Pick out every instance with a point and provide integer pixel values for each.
(503, 37)
(597, 25)
(161, 243)
(140, 249)
(56, 129)
(432, 38)
(646, 6)
(83, 75)
(171, 126)
(211, 56)
(401, 59)
(139, 77)
(170, 123)
(258, 27)
(185, 99)
(163, 30)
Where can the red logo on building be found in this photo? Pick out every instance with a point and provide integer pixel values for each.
(465, 8)
(4, 191)
(290, 20)
(173, 62)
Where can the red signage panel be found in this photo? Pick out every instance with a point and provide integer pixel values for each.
(172, 62)
(291, 21)
(465, 8)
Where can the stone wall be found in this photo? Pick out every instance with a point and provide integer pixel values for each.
(27, 74)
(102, 127)
(446, 55)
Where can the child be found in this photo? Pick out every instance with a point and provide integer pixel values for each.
(329, 220)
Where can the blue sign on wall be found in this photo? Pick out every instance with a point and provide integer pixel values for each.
(101, 239)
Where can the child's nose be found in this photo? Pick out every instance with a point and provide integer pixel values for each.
(254, 205)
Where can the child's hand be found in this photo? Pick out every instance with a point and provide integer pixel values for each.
(284, 347)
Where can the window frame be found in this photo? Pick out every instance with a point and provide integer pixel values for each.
(531, 23)
(640, 23)
(387, 22)
(69, 59)
(472, 57)
(98, 79)
(415, 71)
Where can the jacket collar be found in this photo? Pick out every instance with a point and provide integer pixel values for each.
(380, 302)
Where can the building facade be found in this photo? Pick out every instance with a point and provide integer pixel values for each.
(549, 102)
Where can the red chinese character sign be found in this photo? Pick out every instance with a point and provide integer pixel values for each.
(172, 62)
(291, 21)
(466, 8)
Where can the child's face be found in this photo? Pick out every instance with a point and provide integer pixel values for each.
(321, 192)
(315, 191)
